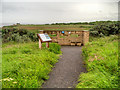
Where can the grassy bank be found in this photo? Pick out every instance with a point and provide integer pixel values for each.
(24, 65)
(101, 58)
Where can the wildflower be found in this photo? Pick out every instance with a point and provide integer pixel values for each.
(6, 79)
(10, 78)
(14, 82)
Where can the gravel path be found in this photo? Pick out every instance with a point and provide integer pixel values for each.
(67, 70)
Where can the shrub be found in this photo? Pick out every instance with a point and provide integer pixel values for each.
(106, 28)
(94, 33)
(18, 35)
(26, 38)
(53, 47)
(101, 35)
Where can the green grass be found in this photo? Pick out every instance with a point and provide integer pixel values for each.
(74, 35)
(101, 58)
(62, 36)
(52, 35)
(0, 62)
(24, 65)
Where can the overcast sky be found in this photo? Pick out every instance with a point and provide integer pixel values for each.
(51, 11)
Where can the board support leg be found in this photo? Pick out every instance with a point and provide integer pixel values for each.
(47, 44)
(40, 44)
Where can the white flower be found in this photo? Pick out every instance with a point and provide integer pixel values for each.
(7, 79)
(10, 78)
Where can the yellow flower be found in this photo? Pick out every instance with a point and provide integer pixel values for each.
(14, 82)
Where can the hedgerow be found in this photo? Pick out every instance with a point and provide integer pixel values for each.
(18, 35)
(105, 29)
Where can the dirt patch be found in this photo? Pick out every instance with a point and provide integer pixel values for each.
(67, 70)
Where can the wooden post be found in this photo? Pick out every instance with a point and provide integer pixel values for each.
(58, 33)
(47, 44)
(85, 36)
(40, 44)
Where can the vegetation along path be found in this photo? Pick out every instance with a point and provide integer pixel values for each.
(67, 70)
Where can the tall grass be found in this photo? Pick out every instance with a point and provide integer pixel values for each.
(24, 65)
(101, 58)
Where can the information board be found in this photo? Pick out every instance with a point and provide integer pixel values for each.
(44, 37)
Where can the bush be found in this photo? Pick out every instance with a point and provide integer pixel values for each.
(101, 35)
(106, 29)
(94, 33)
(18, 35)
(53, 47)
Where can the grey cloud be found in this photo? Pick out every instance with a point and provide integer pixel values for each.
(49, 12)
